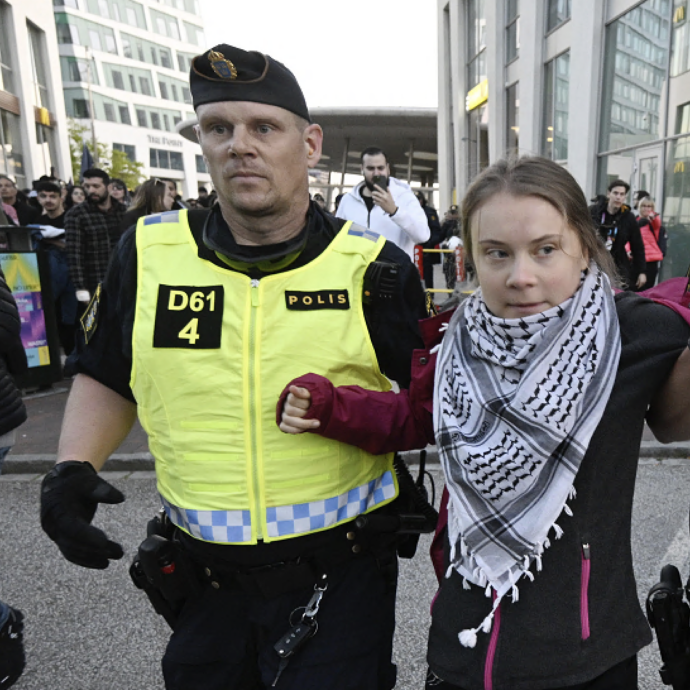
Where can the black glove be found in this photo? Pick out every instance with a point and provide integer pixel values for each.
(70, 494)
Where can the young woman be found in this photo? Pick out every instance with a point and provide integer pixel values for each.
(153, 196)
(118, 191)
(650, 229)
(75, 197)
(543, 381)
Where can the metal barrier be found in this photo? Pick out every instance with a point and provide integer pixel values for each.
(459, 252)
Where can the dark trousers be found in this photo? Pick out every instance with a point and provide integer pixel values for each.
(622, 676)
(224, 638)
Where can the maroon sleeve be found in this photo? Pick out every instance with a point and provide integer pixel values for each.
(374, 421)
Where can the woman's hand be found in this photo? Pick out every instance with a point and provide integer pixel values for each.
(295, 409)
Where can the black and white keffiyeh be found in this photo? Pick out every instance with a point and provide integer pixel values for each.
(516, 404)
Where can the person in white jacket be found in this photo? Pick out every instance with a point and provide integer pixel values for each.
(385, 204)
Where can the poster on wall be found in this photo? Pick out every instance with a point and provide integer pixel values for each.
(21, 273)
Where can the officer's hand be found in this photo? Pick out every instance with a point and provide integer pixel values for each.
(641, 281)
(70, 494)
(384, 199)
(296, 406)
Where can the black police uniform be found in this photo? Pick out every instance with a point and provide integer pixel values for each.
(225, 637)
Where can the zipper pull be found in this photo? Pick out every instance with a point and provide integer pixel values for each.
(585, 551)
(254, 285)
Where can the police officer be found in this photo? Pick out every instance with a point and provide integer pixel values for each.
(202, 319)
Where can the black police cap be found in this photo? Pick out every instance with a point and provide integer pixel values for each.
(226, 73)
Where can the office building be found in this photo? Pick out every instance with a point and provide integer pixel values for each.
(601, 86)
(125, 65)
(33, 125)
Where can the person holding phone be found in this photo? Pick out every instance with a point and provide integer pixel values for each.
(385, 204)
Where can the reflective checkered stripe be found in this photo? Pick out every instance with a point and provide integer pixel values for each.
(165, 217)
(316, 515)
(367, 234)
(220, 526)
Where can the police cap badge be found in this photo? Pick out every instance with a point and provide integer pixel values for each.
(226, 73)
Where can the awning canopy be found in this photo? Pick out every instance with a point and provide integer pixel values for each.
(403, 133)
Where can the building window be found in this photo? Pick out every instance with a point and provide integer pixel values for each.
(201, 164)
(165, 25)
(680, 53)
(118, 81)
(155, 120)
(166, 123)
(557, 12)
(11, 158)
(512, 119)
(184, 61)
(556, 87)
(635, 64)
(168, 160)
(164, 90)
(145, 86)
(5, 55)
(195, 34)
(127, 149)
(141, 118)
(154, 55)
(109, 112)
(166, 60)
(125, 119)
(512, 30)
(476, 42)
(81, 108)
(477, 134)
(186, 94)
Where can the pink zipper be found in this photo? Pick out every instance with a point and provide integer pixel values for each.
(491, 651)
(584, 591)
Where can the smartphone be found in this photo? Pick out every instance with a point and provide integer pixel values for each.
(381, 181)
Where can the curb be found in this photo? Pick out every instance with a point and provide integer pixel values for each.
(40, 464)
(143, 462)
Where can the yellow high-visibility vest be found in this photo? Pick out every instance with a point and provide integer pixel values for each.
(212, 351)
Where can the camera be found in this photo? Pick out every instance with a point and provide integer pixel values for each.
(381, 181)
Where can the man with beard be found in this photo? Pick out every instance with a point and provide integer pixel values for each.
(385, 204)
(9, 193)
(91, 232)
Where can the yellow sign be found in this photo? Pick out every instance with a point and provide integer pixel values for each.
(477, 95)
(43, 116)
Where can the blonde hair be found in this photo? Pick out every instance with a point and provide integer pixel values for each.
(542, 178)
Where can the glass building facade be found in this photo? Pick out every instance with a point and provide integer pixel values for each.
(644, 115)
(601, 87)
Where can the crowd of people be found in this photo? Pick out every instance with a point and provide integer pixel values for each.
(257, 338)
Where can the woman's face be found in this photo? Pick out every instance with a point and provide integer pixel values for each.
(78, 195)
(116, 192)
(169, 196)
(527, 259)
(646, 209)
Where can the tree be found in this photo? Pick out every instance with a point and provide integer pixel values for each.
(122, 167)
(115, 163)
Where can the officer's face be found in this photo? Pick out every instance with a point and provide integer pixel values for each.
(258, 157)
